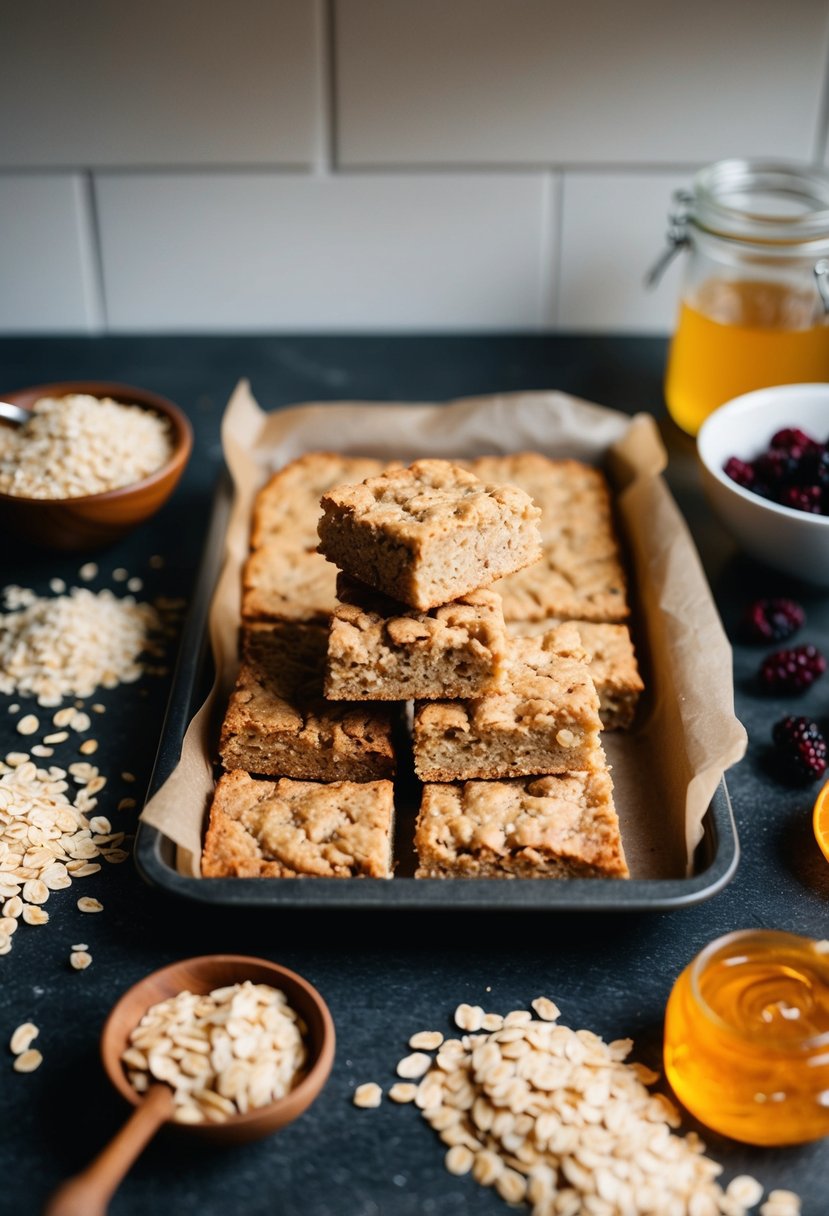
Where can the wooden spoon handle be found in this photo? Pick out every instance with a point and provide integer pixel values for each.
(89, 1193)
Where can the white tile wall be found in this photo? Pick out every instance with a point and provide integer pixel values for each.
(163, 82)
(495, 81)
(612, 231)
(47, 277)
(377, 164)
(260, 251)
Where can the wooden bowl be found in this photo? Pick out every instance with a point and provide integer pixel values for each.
(93, 520)
(202, 975)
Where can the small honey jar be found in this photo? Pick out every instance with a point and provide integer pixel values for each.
(755, 296)
(747, 1037)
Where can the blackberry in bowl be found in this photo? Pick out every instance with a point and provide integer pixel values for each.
(765, 460)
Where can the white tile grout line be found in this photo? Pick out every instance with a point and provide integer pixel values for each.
(91, 257)
(548, 251)
(325, 158)
(822, 125)
(559, 251)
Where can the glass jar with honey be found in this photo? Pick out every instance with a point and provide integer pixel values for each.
(747, 1037)
(755, 296)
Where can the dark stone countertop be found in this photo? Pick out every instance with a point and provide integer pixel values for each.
(384, 977)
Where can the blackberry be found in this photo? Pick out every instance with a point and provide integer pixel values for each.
(739, 471)
(776, 468)
(792, 437)
(803, 498)
(772, 620)
(791, 671)
(800, 749)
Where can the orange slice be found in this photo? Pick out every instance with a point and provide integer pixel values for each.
(820, 820)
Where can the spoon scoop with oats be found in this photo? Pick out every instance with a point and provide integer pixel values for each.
(232, 1048)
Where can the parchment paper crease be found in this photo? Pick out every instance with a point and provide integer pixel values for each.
(665, 772)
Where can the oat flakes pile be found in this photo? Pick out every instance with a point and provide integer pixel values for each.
(47, 837)
(69, 645)
(556, 1119)
(233, 1050)
(80, 445)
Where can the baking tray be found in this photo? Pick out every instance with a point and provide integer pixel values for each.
(715, 859)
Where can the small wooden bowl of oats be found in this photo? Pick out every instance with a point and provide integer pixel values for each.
(96, 460)
(229, 1047)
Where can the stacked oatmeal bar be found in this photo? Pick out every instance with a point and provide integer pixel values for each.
(489, 595)
(306, 788)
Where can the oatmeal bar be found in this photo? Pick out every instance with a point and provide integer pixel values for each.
(428, 534)
(279, 725)
(546, 721)
(380, 650)
(561, 826)
(580, 574)
(282, 582)
(612, 665)
(290, 829)
(288, 506)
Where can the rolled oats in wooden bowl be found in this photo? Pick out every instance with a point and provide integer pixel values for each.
(95, 460)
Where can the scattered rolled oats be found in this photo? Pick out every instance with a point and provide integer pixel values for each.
(135, 584)
(13, 907)
(120, 575)
(469, 1017)
(87, 904)
(128, 777)
(80, 959)
(403, 1091)
(126, 804)
(781, 1203)
(28, 725)
(88, 747)
(23, 1038)
(555, 1118)
(33, 915)
(414, 1065)
(28, 1061)
(57, 585)
(42, 753)
(98, 708)
(546, 1009)
(459, 1159)
(368, 1095)
(426, 1040)
(88, 571)
(225, 1052)
(69, 645)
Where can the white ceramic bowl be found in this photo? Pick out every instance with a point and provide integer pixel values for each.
(792, 541)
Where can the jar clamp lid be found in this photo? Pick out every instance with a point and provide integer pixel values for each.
(780, 210)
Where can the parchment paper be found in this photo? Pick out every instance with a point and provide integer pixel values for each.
(666, 770)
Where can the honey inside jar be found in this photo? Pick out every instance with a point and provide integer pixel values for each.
(735, 336)
(747, 1037)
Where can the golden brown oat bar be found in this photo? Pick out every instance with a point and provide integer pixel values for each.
(281, 582)
(562, 826)
(279, 724)
(428, 534)
(612, 665)
(580, 575)
(381, 650)
(292, 829)
(288, 505)
(546, 720)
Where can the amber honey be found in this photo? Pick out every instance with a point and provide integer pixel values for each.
(747, 1037)
(735, 336)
